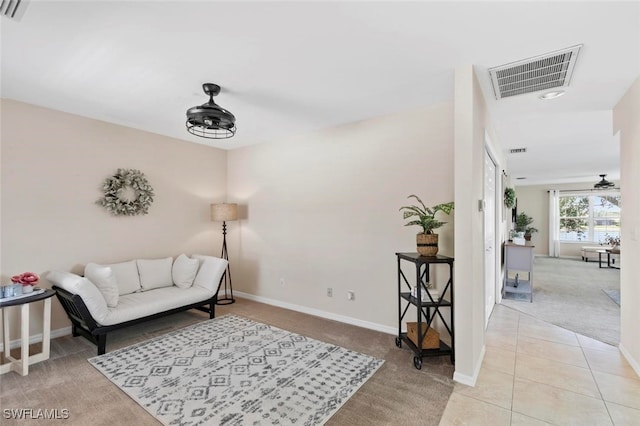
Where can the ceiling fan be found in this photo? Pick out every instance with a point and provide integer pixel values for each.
(603, 184)
(210, 120)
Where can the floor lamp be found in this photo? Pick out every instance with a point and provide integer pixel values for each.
(222, 213)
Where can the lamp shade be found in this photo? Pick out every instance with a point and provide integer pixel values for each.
(224, 212)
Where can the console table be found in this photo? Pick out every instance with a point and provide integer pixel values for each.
(21, 366)
(519, 259)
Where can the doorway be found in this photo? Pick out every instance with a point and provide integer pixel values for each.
(489, 216)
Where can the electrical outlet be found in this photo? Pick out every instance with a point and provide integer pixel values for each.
(281, 282)
(329, 292)
(351, 295)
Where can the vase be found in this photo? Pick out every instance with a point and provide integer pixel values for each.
(427, 244)
(27, 289)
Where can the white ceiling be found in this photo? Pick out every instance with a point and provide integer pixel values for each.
(289, 68)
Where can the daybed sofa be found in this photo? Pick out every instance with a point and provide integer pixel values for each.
(111, 297)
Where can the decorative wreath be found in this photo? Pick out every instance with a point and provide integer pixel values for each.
(509, 198)
(127, 193)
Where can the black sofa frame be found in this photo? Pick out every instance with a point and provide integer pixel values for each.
(83, 324)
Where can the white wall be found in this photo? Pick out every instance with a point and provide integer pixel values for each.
(625, 121)
(322, 211)
(53, 166)
(471, 121)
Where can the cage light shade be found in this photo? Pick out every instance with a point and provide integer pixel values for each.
(224, 212)
(210, 120)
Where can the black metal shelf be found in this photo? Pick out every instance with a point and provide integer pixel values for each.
(427, 309)
(444, 349)
(425, 303)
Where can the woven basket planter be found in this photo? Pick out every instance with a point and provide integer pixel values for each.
(427, 244)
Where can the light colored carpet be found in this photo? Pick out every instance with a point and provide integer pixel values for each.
(235, 371)
(396, 394)
(568, 293)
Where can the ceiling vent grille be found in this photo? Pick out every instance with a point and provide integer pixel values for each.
(534, 74)
(13, 9)
(517, 150)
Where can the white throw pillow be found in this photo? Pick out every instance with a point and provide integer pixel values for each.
(155, 273)
(184, 271)
(103, 278)
(126, 274)
(89, 293)
(210, 271)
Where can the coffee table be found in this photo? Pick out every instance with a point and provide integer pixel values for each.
(608, 252)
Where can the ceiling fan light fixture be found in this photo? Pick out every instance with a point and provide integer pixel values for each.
(551, 95)
(603, 183)
(210, 120)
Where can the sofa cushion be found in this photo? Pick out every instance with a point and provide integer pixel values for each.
(155, 273)
(102, 277)
(184, 271)
(81, 286)
(145, 303)
(210, 271)
(126, 274)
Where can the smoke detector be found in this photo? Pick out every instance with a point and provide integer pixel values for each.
(535, 74)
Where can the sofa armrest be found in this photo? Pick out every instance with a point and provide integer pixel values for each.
(76, 310)
(210, 272)
(77, 285)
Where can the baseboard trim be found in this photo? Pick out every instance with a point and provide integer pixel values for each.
(319, 313)
(632, 362)
(37, 338)
(471, 380)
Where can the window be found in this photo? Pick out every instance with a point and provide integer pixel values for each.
(589, 217)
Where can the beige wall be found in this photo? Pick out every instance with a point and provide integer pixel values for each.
(53, 165)
(625, 121)
(534, 200)
(471, 121)
(322, 211)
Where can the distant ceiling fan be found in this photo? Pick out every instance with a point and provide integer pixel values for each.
(604, 184)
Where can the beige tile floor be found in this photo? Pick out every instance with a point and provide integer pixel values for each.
(535, 373)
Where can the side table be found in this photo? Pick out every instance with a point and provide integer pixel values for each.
(610, 262)
(21, 366)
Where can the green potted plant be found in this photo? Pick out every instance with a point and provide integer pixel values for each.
(523, 225)
(423, 216)
(509, 198)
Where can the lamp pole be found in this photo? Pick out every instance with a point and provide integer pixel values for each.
(222, 213)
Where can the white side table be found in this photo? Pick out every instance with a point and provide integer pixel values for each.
(21, 366)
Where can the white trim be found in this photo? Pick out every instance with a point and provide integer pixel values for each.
(318, 313)
(632, 362)
(471, 380)
(37, 338)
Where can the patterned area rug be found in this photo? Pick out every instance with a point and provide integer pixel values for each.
(235, 371)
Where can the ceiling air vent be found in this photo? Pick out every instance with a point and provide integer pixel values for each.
(517, 150)
(13, 9)
(534, 74)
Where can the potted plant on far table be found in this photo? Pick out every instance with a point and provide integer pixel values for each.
(423, 216)
(523, 224)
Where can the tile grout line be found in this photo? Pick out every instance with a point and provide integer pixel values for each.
(515, 361)
(596, 382)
